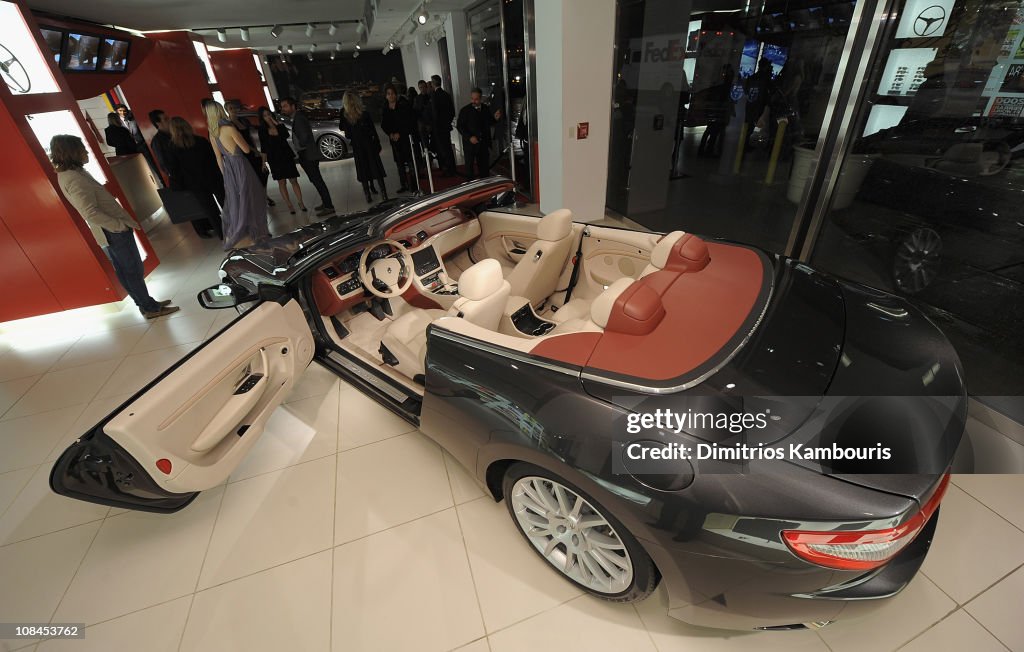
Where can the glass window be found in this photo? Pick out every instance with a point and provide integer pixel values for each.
(47, 125)
(204, 57)
(928, 202)
(715, 114)
(23, 67)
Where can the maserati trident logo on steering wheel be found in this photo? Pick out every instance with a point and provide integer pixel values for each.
(13, 72)
(930, 20)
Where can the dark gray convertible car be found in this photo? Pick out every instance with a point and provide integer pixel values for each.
(769, 443)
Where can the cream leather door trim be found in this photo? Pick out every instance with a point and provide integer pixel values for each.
(243, 375)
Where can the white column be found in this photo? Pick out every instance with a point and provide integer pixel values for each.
(410, 64)
(456, 29)
(574, 84)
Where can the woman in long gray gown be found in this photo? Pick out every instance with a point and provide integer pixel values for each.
(245, 199)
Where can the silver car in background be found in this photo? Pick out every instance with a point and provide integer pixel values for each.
(329, 138)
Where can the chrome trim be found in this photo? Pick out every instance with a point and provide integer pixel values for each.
(859, 53)
(392, 392)
(650, 389)
(501, 351)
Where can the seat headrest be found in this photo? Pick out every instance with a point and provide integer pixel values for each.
(680, 252)
(481, 280)
(555, 225)
(638, 310)
(601, 308)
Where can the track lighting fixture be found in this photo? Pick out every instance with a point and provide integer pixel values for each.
(355, 55)
(310, 56)
(291, 50)
(309, 29)
(422, 17)
(337, 46)
(244, 33)
(333, 29)
(333, 54)
(276, 31)
(222, 35)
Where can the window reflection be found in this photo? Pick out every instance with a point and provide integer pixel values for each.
(936, 211)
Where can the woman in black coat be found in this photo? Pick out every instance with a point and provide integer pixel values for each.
(119, 137)
(361, 131)
(192, 166)
(398, 121)
(279, 156)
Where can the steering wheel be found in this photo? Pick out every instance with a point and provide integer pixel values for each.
(386, 277)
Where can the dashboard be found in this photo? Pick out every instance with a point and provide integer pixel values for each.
(428, 239)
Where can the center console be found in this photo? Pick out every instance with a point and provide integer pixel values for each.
(431, 275)
(522, 321)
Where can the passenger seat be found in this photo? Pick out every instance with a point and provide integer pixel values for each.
(536, 274)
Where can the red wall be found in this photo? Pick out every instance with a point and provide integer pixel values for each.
(171, 78)
(48, 257)
(237, 76)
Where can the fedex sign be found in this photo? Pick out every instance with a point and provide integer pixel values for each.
(673, 51)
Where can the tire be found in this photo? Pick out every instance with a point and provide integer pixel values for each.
(332, 147)
(635, 575)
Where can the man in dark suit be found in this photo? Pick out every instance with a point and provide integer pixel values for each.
(129, 123)
(475, 123)
(442, 111)
(308, 153)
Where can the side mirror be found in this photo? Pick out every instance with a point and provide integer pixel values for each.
(224, 295)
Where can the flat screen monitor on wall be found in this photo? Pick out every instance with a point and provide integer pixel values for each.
(113, 55)
(81, 53)
(54, 40)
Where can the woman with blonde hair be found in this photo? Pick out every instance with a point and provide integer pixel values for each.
(104, 215)
(356, 124)
(192, 166)
(245, 199)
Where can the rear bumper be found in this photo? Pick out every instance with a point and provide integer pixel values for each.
(730, 593)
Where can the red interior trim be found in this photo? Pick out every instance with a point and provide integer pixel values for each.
(573, 348)
(703, 312)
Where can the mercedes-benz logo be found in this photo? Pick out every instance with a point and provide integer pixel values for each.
(930, 20)
(13, 72)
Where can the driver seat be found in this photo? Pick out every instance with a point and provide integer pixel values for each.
(483, 293)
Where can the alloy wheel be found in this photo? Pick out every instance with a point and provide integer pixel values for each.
(332, 147)
(917, 260)
(571, 535)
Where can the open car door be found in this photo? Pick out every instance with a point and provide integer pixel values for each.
(189, 429)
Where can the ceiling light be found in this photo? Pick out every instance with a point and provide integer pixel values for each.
(309, 29)
(426, 41)
(423, 16)
(244, 32)
(355, 55)
(222, 35)
(360, 28)
(359, 47)
(290, 49)
(310, 56)
(333, 29)
(333, 55)
(276, 31)
(312, 47)
(337, 46)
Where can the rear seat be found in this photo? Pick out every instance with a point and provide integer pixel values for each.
(677, 251)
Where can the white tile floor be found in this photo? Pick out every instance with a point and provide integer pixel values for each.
(347, 530)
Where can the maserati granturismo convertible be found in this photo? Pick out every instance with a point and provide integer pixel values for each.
(769, 443)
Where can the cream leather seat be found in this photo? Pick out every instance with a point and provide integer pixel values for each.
(536, 274)
(597, 311)
(482, 296)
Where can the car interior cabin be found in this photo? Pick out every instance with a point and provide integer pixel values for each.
(644, 305)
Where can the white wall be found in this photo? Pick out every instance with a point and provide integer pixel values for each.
(574, 84)
(96, 110)
(456, 28)
(420, 61)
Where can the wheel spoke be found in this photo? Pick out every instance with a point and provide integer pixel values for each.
(608, 567)
(546, 497)
(593, 569)
(604, 541)
(563, 500)
(530, 503)
(611, 557)
(577, 507)
(550, 548)
(592, 521)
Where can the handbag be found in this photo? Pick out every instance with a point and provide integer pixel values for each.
(184, 205)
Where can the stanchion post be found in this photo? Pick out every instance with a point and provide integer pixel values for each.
(739, 149)
(773, 161)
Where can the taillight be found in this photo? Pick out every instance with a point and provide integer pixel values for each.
(862, 550)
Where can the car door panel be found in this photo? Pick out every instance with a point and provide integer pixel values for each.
(610, 254)
(505, 237)
(189, 429)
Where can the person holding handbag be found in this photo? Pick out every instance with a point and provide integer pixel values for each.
(357, 125)
(103, 214)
